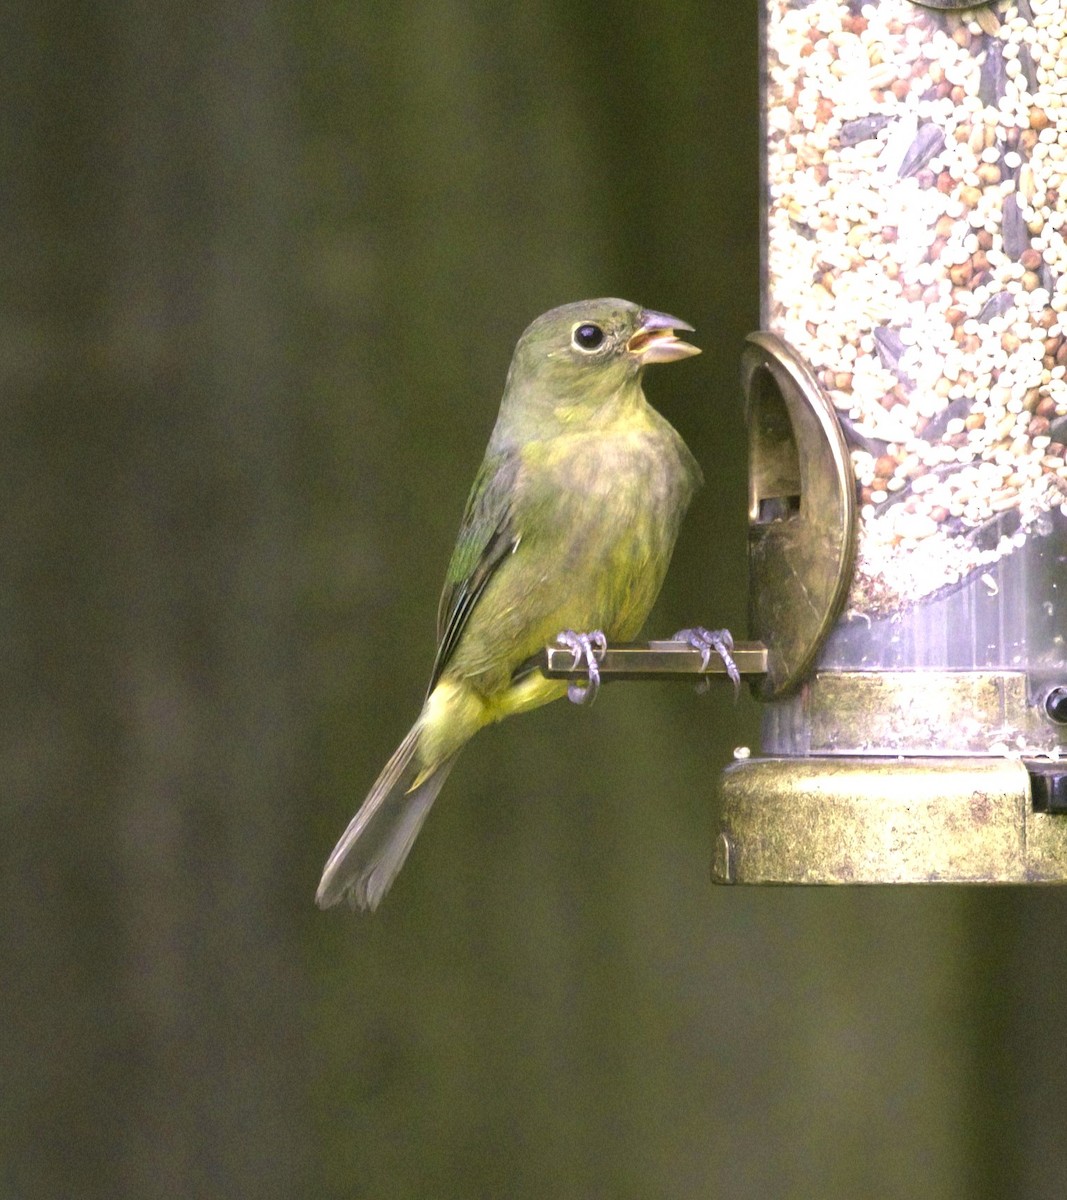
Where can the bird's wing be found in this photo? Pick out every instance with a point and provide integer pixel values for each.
(487, 537)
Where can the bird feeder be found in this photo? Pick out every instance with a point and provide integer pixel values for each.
(907, 414)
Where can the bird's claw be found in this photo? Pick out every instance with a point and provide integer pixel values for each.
(707, 640)
(590, 648)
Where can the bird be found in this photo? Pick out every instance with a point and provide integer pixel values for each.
(566, 537)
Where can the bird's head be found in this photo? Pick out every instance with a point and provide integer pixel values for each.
(612, 337)
(578, 356)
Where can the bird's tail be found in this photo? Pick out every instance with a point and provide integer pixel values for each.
(372, 849)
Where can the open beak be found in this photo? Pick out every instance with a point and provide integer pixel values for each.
(655, 340)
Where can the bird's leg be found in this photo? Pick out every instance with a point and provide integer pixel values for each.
(707, 640)
(590, 647)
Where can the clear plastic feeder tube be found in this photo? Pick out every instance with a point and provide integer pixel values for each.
(915, 181)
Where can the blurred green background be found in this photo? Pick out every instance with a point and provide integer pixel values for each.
(263, 266)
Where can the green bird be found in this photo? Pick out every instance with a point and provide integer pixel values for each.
(567, 535)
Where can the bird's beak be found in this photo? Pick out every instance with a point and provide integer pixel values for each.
(655, 340)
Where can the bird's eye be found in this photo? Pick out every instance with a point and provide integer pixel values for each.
(587, 337)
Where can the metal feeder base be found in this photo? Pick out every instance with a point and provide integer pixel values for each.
(892, 820)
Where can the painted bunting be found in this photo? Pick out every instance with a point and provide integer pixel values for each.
(566, 536)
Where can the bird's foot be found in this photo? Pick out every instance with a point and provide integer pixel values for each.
(707, 640)
(590, 648)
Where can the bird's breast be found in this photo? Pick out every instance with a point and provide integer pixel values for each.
(606, 511)
(642, 476)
